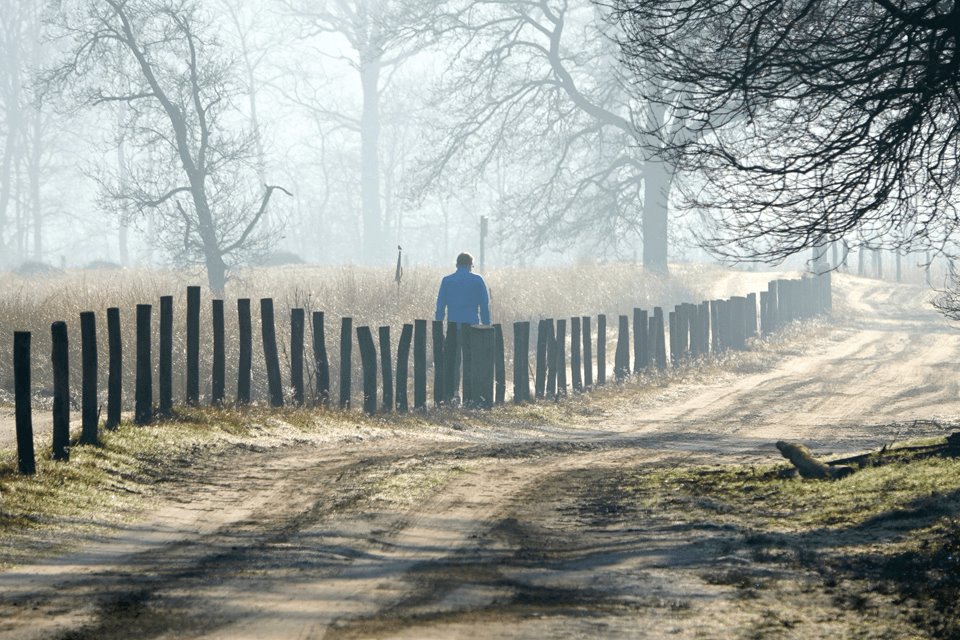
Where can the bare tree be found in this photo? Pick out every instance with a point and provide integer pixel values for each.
(162, 59)
(814, 119)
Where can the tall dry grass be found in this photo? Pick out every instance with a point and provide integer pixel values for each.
(367, 294)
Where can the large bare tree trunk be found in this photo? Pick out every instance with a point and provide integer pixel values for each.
(658, 177)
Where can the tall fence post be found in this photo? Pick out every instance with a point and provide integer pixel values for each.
(560, 356)
(368, 363)
(60, 357)
(320, 362)
(386, 367)
(674, 355)
(466, 355)
(88, 359)
(439, 393)
(587, 352)
(480, 343)
(346, 352)
(540, 374)
(551, 390)
(245, 364)
(640, 351)
(500, 366)
(403, 367)
(576, 371)
(601, 349)
(521, 362)
(298, 319)
(143, 394)
(751, 315)
(657, 339)
(705, 327)
(26, 459)
(115, 369)
(621, 364)
(218, 373)
(420, 365)
(268, 331)
(451, 362)
(193, 345)
(165, 374)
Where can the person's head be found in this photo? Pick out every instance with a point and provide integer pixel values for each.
(465, 260)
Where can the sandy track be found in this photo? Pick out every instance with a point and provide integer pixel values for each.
(511, 539)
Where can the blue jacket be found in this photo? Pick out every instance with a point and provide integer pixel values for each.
(461, 295)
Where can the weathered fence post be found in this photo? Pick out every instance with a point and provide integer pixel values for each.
(576, 373)
(587, 352)
(521, 362)
(500, 366)
(420, 365)
(657, 339)
(88, 359)
(143, 394)
(705, 328)
(368, 364)
(540, 374)
(601, 349)
(621, 364)
(403, 366)
(268, 331)
(245, 363)
(674, 356)
(115, 371)
(715, 338)
(346, 350)
(193, 345)
(298, 321)
(439, 393)
(560, 356)
(320, 361)
(218, 373)
(466, 357)
(60, 357)
(641, 351)
(480, 343)
(165, 373)
(451, 362)
(386, 367)
(551, 390)
(751, 315)
(26, 459)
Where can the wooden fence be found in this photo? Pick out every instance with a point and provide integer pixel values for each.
(468, 361)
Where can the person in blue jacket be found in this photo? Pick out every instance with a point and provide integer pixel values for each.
(463, 295)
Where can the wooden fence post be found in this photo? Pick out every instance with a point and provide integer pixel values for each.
(540, 373)
(480, 343)
(657, 339)
(115, 370)
(587, 352)
(268, 331)
(298, 321)
(420, 365)
(705, 328)
(641, 357)
(386, 367)
(165, 374)
(143, 394)
(346, 351)
(551, 390)
(26, 459)
(368, 364)
(500, 366)
(320, 362)
(674, 356)
(751, 315)
(439, 393)
(560, 354)
(193, 345)
(60, 357)
(466, 355)
(521, 362)
(403, 366)
(621, 364)
(576, 372)
(88, 356)
(451, 362)
(601, 349)
(218, 373)
(245, 363)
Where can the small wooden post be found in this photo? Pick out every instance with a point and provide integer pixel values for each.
(587, 353)
(143, 395)
(657, 339)
(26, 459)
(551, 390)
(386, 367)
(245, 363)
(193, 345)
(218, 373)
(268, 331)
(540, 375)
(480, 343)
(439, 393)
(61, 391)
(451, 362)
(576, 372)
(420, 365)
(521, 362)
(368, 363)
(88, 355)
(601, 349)
(165, 378)
(621, 366)
(704, 327)
(346, 351)
(751, 315)
(715, 340)
(298, 321)
(674, 355)
(115, 373)
(403, 360)
(320, 362)
(466, 356)
(640, 352)
(499, 366)
(560, 356)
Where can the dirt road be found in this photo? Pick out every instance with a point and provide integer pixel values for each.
(509, 533)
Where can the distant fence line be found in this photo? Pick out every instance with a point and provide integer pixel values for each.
(468, 361)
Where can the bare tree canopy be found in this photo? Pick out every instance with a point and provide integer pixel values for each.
(811, 119)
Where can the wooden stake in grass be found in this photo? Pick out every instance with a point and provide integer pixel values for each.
(165, 382)
(193, 345)
(115, 376)
(297, 328)
(26, 462)
(245, 326)
(270, 356)
(61, 391)
(88, 358)
(320, 360)
(143, 411)
(218, 372)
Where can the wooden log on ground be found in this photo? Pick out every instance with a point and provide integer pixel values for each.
(808, 466)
